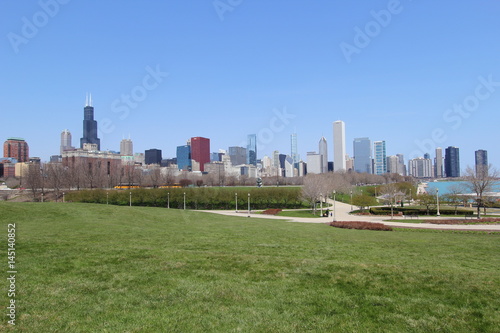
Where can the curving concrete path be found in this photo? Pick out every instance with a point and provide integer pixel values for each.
(342, 214)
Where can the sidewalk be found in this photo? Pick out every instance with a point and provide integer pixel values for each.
(342, 214)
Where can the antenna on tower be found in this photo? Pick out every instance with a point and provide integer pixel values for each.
(90, 99)
(86, 99)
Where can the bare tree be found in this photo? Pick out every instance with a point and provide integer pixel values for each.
(55, 177)
(480, 183)
(34, 179)
(455, 196)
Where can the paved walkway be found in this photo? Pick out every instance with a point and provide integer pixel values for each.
(342, 214)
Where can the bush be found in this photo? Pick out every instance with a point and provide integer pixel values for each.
(196, 198)
(361, 226)
(490, 220)
(417, 211)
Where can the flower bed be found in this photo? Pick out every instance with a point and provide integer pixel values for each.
(361, 226)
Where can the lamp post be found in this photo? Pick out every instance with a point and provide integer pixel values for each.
(168, 199)
(107, 198)
(236, 200)
(334, 209)
(248, 204)
(321, 204)
(63, 196)
(409, 201)
(42, 196)
(184, 200)
(351, 200)
(437, 199)
(130, 199)
(392, 204)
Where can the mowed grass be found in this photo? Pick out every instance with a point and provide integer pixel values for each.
(300, 213)
(99, 268)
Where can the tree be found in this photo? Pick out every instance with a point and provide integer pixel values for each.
(480, 183)
(363, 200)
(427, 200)
(454, 196)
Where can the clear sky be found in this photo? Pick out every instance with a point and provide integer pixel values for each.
(417, 74)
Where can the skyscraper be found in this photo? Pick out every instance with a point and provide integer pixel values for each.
(379, 161)
(438, 163)
(89, 125)
(452, 162)
(362, 148)
(200, 152)
(314, 162)
(481, 157)
(65, 140)
(294, 150)
(323, 151)
(238, 155)
(252, 149)
(152, 156)
(16, 148)
(184, 157)
(126, 147)
(339, 162)
(420, 167)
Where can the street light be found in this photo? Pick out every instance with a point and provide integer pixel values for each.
(236, 196)
(168, 199)
(130, 200)
(351, 200)
(437, 199)
(63, 196)
(321, 203)
(334, 210)
(392, 204)
(184, 200)
(248, 204)
(42, 196)
(107, 198)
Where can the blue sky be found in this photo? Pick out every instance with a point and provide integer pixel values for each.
(417, 74)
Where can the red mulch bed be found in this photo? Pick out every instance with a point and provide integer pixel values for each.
(361, 226)
(273, 211)
(490, 220)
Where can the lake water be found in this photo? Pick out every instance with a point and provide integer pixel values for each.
(445, 186)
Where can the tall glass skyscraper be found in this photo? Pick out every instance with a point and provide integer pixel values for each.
(380, 161)
(184, 157)
(252, 149)
(362, 148)
(295, 154)
(89, 125)
(452, 162)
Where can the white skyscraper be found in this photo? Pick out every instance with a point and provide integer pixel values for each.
(126, 147)
(323, 151)
(438, 163)
(65, 140)
(314, 162)
(339, 162)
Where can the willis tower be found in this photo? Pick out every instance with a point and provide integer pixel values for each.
(89, 125)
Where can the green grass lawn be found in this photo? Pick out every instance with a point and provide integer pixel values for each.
(300, 213)
(100, 268)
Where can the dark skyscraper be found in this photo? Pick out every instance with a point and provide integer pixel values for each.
(152, 156)
(452, 162)
(89, 125)
(481, 162)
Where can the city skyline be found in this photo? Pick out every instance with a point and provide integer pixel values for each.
(412, 84)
